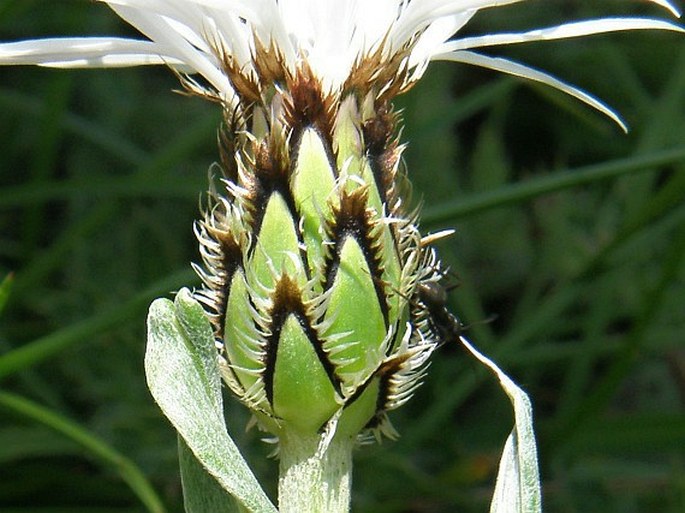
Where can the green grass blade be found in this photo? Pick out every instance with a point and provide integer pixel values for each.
(5, 288)
(86, 130)
(95, 447)
(39, 350)
(624, 361)
(184, 187)
(518, 192)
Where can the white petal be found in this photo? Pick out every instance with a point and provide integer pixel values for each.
(86, 52)
(667, 5)
(329, 35)
(160, 30)
(568, 30)
(265, 18)
(520, 70)
(436, 34)
(419, 14)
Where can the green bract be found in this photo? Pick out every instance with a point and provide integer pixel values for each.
(311, 262)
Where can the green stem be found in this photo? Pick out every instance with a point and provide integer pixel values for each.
(314, 481)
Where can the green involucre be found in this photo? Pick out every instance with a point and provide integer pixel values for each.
(310, 264)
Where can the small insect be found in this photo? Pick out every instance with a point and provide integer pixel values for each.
(444, 324)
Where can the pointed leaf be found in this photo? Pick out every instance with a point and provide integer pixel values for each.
(517, 489)
(199, 334)
(201, 492)
(183, 377)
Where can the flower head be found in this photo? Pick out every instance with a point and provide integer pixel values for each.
(315, 273)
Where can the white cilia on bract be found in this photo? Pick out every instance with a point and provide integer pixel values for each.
(314, 269)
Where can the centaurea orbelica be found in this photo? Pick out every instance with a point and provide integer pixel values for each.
(315, 272)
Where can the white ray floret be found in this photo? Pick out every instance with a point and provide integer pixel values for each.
(331, 37)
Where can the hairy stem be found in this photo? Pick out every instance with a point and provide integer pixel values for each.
(311, 480)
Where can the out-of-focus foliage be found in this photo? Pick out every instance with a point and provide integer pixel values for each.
(569, 256)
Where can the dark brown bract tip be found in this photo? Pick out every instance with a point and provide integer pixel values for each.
(269, 63)
(306, 105)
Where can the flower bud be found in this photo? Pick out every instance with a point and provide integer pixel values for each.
(311, 262)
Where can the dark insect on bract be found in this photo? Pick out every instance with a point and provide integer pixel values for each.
(443, 323)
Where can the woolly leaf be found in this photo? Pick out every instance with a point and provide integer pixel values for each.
(183, 377)
(201, 492)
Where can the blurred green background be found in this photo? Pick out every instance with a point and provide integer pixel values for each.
(570, 234)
